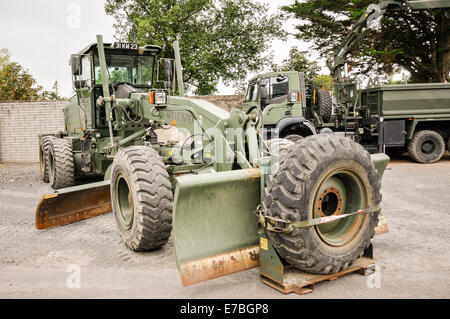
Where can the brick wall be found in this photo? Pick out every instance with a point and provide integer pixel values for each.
(20, 124)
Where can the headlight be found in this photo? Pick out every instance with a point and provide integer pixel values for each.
(293, 97)
(160, 98)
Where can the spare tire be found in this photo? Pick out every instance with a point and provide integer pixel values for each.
(323, 175)
(325, 105)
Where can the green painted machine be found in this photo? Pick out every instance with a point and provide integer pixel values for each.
(292, 106)
(393, 119)
(209, 185)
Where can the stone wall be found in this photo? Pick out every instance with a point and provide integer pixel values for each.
(20, 125)
(226, 102)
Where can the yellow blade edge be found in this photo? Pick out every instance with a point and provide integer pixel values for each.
(196, 271)
(73, 204)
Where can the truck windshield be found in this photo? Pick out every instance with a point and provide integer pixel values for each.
(252, 91)
(137, 70)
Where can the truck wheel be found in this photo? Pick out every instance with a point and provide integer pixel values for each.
(323, 175)
(61, 169)
(141, 197)
(426, 147)
(44, 145)
(325, 105)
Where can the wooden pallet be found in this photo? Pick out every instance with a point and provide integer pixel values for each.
(302, 283)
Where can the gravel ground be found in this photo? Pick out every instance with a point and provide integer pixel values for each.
(413, 258)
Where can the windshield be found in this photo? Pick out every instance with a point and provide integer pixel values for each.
(251, 92)
(137, 70)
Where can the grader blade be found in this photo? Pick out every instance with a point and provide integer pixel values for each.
(72, 204)
(214, 224)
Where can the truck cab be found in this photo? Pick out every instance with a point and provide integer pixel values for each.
(290, 104)
(131, 69)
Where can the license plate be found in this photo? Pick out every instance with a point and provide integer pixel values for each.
(126, 46)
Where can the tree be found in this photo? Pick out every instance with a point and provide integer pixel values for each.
(4, 57)
(417, 41)
(298, 61)
(16, 84)
(324, 82)
(54, 94)
(218, 38)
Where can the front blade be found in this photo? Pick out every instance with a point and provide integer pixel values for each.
(214, 224)
(72, 204)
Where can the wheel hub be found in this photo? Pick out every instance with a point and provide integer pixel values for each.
(428, 147)
(330, 202)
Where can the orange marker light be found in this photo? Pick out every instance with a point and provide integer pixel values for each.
(151, 98)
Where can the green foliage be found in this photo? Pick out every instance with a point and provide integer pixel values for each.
(418, 41)
(218, 38)
(298, 61)
(16, 84)
(324, 82)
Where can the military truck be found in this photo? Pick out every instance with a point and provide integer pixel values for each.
(398, 118)
(292, 106)
(389, 119)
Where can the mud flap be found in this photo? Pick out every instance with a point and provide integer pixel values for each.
(72, 204)
(214, 224)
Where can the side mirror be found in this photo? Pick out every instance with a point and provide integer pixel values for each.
(166, 71)
(75, 63)
(263, 93)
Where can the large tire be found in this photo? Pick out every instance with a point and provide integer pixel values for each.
(426, 147)
(323, 175)
(61, 169)
(325, 105)
(142, 199)
(44, 146)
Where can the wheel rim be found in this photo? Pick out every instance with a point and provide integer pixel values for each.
(341, 192)
(428, 147)
(124, 201)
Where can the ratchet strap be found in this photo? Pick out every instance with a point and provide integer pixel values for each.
(279, 225)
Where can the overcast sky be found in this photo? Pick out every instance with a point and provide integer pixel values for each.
(42, 34)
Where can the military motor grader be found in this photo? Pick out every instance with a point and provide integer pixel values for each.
(213, 186)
